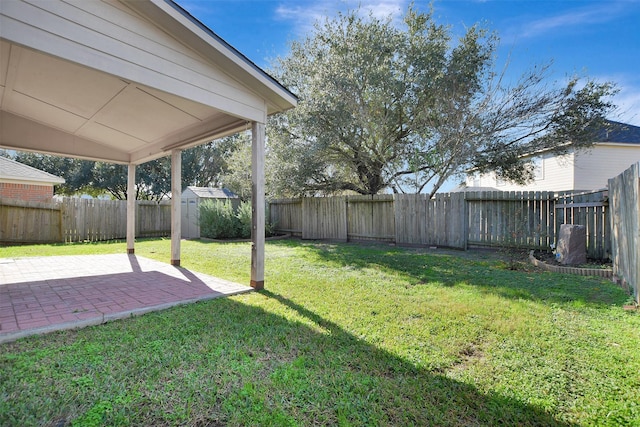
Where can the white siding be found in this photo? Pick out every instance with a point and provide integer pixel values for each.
(594, 168)
(583, 171)
(556, 174)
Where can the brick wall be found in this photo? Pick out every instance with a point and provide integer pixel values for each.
(27, 192)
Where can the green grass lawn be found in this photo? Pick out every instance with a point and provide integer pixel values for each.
(343, 335)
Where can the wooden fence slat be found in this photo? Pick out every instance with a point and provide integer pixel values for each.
(588, 209)
(370, 218)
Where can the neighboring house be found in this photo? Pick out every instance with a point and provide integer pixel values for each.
(21, 182)
(583, 170)
(190, 207)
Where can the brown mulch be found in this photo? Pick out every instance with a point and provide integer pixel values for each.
(550, 258)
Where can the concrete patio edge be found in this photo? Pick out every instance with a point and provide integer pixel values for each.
(104, 318)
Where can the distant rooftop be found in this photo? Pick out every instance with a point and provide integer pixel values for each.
(620, 132)
(12, 170)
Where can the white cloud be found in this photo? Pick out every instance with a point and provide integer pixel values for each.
(593, 14)
(304, 14)
(384, 8)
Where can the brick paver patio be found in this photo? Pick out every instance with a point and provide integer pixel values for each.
(45, 294)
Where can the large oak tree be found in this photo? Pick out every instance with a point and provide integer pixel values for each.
(406, 107)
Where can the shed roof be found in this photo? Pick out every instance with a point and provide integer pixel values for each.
(15, 171)
(213, 193)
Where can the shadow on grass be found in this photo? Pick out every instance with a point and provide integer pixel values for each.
(480, 269)
(225, 362)
(427, 398)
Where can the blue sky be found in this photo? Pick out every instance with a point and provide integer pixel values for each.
(595, 38)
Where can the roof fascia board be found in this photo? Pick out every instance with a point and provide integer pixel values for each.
(594, 145)
(237, 57)
(30, 181)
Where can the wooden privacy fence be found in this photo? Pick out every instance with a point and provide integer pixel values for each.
(348, 218)
(78, 220)
(457, 220)
(423, 221)
(510, 219)
(30, 222)
(286, 215)
(93, 220)
(624, 193)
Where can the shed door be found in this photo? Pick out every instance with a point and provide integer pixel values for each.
(190, 227)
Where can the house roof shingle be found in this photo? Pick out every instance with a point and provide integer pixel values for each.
(620, 132)
(12, 170)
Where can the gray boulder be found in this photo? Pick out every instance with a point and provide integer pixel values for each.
(572, 244)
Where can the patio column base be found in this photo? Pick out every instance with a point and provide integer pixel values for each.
(175, 262)
(130, 251)
(257, 284)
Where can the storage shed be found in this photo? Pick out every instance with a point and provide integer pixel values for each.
(190, 206)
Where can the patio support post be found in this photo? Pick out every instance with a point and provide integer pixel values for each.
(131, 208)
(257, 205)
(176, 196)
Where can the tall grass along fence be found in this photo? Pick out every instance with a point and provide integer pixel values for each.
(78, 220)
(624, 193)
(457, 220)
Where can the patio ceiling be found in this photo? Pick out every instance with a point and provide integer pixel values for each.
(122, 81)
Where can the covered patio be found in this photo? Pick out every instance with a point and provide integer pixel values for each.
(128, 81)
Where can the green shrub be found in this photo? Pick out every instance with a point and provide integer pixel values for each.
(269, 229)
(244, 220)
(217, 220)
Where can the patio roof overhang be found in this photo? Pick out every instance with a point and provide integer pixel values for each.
(122, 81)
(128, 81)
